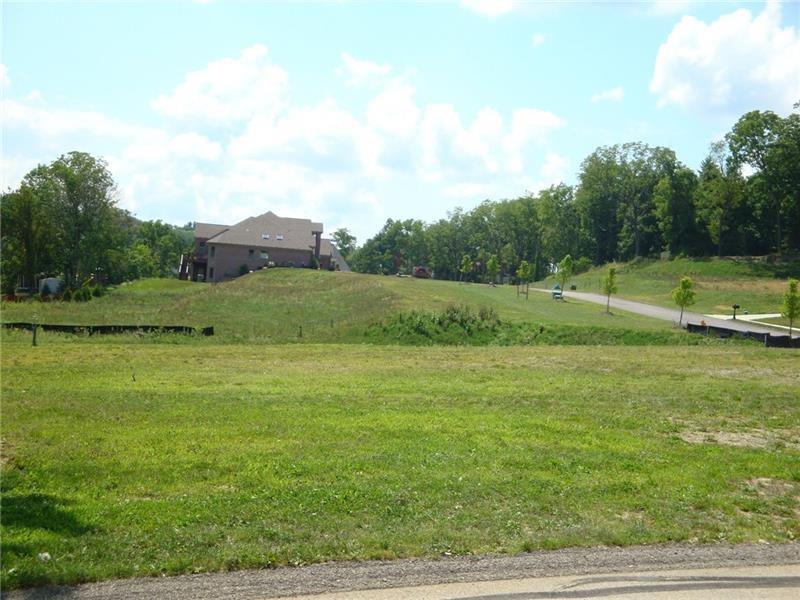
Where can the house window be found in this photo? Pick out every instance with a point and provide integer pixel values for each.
(279, 236)
(251, 253)
(264, 254)
(213, 248)
(264, 236)
(211, 272)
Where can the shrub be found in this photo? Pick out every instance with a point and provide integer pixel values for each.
(581, 265)
(243, 269)
(67, 297)
(98, 291)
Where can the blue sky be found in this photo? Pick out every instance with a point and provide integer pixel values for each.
(354, 112)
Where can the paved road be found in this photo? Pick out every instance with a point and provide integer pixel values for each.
(762, 583)
(346, 577)
(668, 314)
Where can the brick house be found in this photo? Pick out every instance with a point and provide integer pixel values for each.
(224, 251)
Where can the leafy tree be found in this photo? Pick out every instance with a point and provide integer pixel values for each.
(466, 266)
(755, 141)
(683, 295)
(791, 304)
(524, 276)
(610, 286)
(28, 234)
(493, 267)
(344, 241)
(80, 192)
(564, 271)
(719, 193)
(673, 199)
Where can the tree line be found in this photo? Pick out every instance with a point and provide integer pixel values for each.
(63, 221)
(631, 200)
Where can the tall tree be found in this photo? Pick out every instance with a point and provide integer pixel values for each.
(28, 235)
(80, 192)
(673, 198)
(719, 193)
(754, 141)
(344, 241)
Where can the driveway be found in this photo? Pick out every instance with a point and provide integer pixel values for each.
(610, 568)
(668, 314)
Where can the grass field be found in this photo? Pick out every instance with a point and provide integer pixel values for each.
(291, 305)
(756, 285)
(123, 460)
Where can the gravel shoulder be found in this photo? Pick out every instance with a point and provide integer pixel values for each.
(348, 576)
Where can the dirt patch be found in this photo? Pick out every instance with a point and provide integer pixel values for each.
(746, 438)
(767, 487)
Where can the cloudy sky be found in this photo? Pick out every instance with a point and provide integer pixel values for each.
(352, 112)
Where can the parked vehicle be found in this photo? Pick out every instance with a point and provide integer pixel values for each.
(422, 272)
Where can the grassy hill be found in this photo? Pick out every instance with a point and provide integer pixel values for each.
(756, 284)
(290, 305)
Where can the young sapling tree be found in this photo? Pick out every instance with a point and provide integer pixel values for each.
(683, 295)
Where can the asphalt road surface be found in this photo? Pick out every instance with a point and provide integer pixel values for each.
(669, 314)
(623, 572)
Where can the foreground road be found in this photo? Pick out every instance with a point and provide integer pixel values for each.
(765, 583)
(611, 570)
(669, 314)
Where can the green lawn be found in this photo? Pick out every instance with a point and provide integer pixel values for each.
(125, 459)
(290, 305)
(757, 285)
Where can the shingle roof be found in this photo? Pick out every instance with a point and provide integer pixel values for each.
(297, 234)
(208, 230)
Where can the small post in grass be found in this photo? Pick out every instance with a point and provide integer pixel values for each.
(735, 308)
(35, 327)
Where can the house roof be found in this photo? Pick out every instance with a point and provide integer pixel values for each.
(297, 234)
(208, 230)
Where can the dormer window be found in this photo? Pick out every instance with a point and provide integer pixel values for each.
(279, 237)
(264, 236)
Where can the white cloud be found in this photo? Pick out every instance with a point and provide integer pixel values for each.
(735, 63)
(393, 110)
(613, 95)
(156, 146)
(467, 189)
(229, 90)
(491, 8)
(357, 72)
(53, 122)
(528, 125)
(537, 39)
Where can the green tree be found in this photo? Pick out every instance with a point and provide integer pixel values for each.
(755, 140)
(493, 267)
(28, 236)
(791, 304)
(719, 194)
(344, 241)
(610, 286)
(683, 295)
(524, 276)
(673, 198)
(465, 267)
(80, 192)
(564, 272)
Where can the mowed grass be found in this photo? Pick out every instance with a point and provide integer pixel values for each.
(300, 305)
(123, 460)
(757, 285)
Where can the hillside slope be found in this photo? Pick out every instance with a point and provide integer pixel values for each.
(288, 305)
